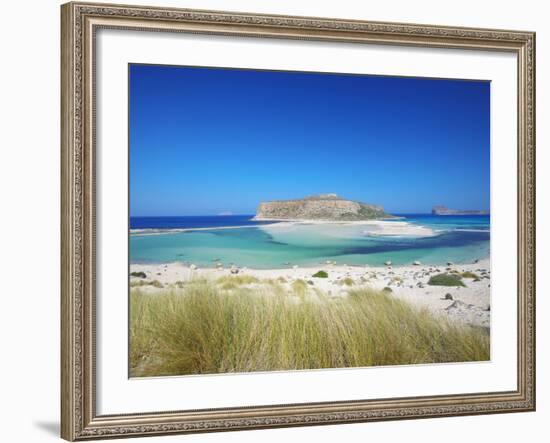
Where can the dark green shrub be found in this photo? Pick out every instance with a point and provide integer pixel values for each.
(140, 274)
(320, 274)
(446, 280)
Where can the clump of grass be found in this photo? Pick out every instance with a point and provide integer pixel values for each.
(140, 283)
(202, 329)
(446, 280)
(320, 274)
(346, 282)
(272, 281)
(469, 274)
(234, 281)
(299, 287)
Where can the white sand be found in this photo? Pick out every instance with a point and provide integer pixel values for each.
(372, 227)
(397, 228)
(470, 304)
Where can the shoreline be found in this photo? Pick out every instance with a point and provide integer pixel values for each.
(160, 231)
(469, 304)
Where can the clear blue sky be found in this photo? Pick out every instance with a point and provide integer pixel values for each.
(206, 140)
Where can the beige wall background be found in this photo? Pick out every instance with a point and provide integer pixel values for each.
(29, 218)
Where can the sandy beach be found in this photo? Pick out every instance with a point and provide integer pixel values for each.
(469, 304)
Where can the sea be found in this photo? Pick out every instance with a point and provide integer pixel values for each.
(267, 245)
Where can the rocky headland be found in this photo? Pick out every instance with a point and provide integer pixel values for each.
(322, 207)
(443, 210)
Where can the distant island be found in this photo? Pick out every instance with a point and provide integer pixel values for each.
(443, 210)
(329, 207)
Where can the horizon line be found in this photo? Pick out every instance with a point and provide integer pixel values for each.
(253, 214)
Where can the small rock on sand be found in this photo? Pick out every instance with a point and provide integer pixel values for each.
(457, 304)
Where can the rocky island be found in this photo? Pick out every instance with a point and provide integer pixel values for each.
(443, 210)
(326, 207)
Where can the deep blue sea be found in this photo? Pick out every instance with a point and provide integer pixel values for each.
(460, 239)
(193, 221)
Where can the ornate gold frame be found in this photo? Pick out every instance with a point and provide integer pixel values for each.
(79, 420)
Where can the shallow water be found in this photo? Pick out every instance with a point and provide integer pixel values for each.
(460, 239)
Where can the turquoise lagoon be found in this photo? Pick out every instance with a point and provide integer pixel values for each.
(460, 239)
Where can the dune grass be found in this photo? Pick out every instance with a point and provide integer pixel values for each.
(203, 328)
(139, 283)
(469, 274)
(347, 281)
(299, 287)
(234, 281)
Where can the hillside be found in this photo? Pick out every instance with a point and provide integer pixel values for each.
(329, 207)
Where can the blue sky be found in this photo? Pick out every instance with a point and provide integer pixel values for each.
(205, 141)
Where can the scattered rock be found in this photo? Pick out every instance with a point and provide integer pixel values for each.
(416, 263)
(234, 270)
(448, 296)
(450, 263)
(387, 263)
(387, 289)
(457, 304)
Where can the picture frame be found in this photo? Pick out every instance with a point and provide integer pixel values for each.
(80, 23)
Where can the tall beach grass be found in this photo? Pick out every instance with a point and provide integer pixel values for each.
(241, 326)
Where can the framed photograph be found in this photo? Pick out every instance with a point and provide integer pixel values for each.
(283, 221)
